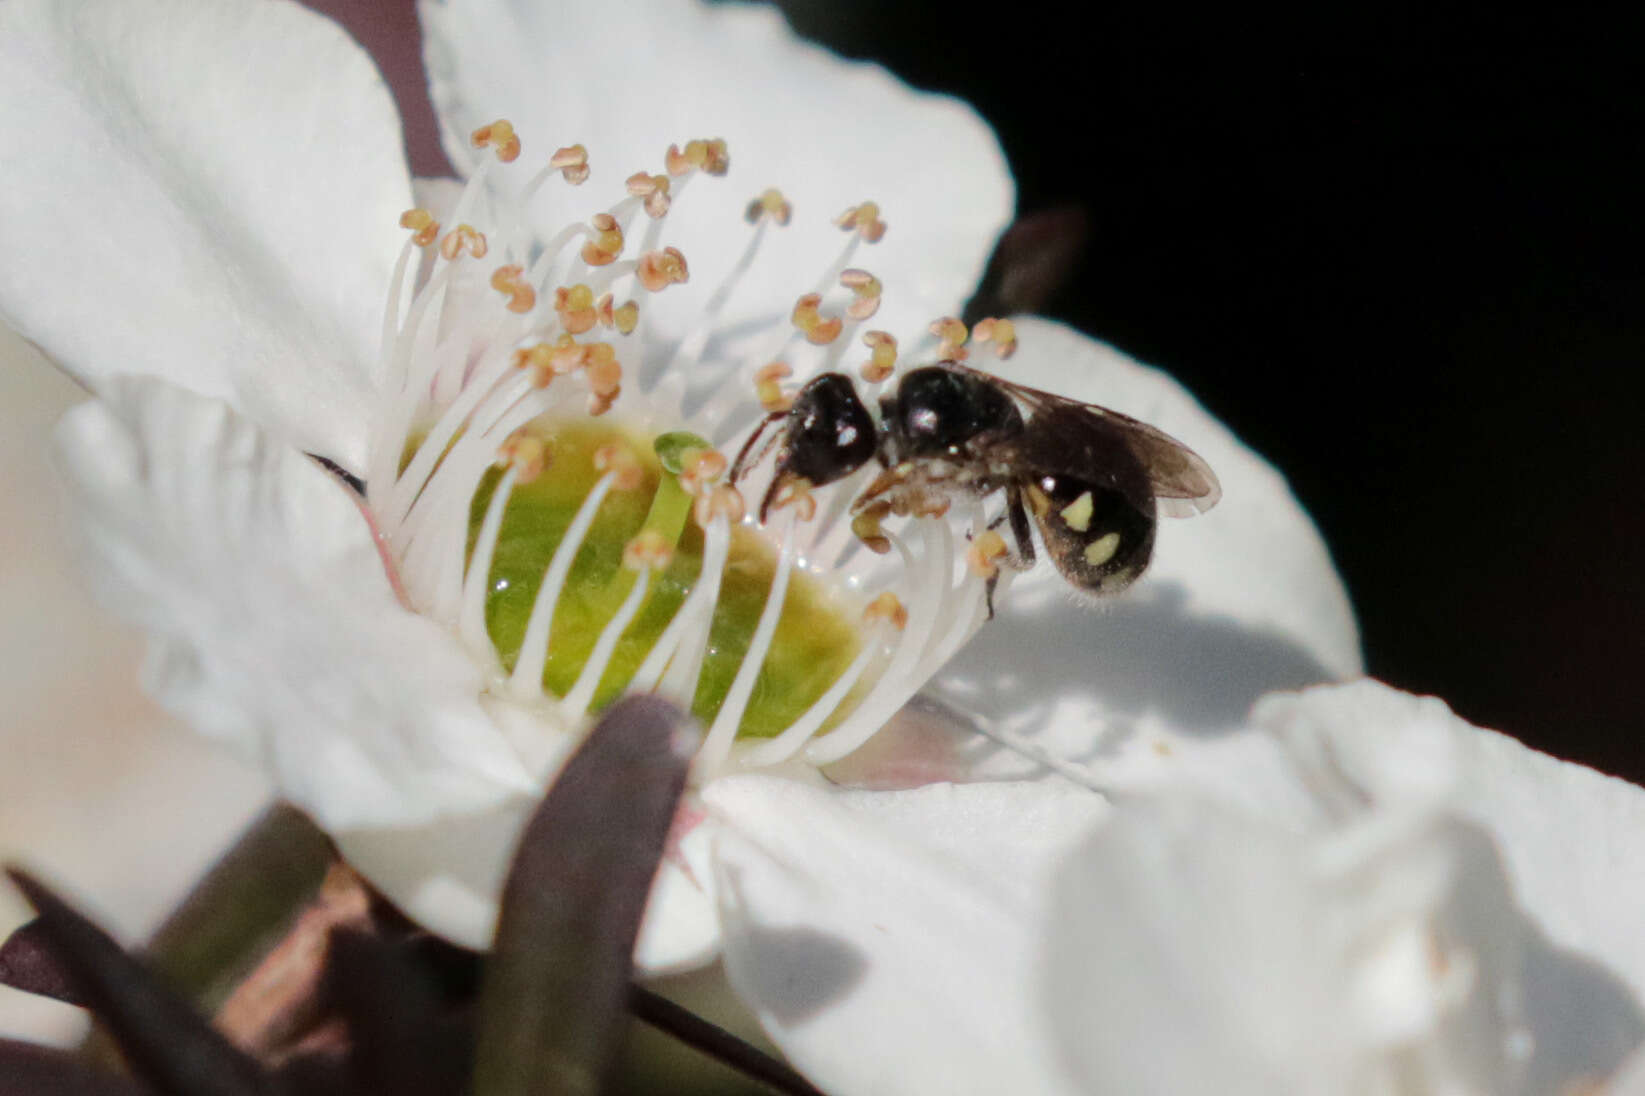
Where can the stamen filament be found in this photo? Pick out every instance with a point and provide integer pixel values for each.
(896, 686)
(717, 743)
(472, 621)
(417, 474)
(526, 682)
(391, 307)
(686, 666)
(408, 391)
(716, 546)
(779, 749)
(575, 705)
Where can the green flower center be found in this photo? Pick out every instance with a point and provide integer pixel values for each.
(816, 636)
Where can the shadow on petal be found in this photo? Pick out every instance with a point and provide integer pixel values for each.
(445, 875)
(1140, 654)
(796, 973)
(1586, 1020)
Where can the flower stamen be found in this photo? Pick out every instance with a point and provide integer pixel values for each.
(866, 290)
(708, 156)
(1002, 333)
(499, 135)
(657, 270)
(526, 682)
(882, 356)
(465, 510)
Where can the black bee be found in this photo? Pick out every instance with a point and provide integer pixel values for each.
(1093, 479)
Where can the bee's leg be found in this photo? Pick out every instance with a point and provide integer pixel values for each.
(1018, 514)
(742, 463)
(778, 481)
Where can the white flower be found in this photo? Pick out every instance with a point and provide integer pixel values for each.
(208, 238)
(1398, 903)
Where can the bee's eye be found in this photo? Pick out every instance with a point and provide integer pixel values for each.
(830, 433)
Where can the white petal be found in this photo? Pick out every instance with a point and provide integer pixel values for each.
(628, 80)
(1185, 957)
(1216, 943)
(275, 629)
(886, 940)
(1238, 601)
(1573, 838)
(448, 874)
(205, 191)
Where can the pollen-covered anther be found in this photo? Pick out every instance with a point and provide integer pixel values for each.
(571, 162)
(653, 188)
(866, 289)
(882, 360)
(711, 157)
(721, 500)
(1002, 333)
(985, 553)
(464, 238)
(498, 135)
(866, 528)
(889, 608)
(660, 269)
(648, 550)
(425, 229)
(807, 318)
(770, 204)
(605, 372)
(700, 469)
(864, 219)
(606, 243)
(576, 309)
(624, 318)
(953, 335)
(627, 472)
(797, 493)
(509, 281)
(566, 355)
(526, 453)
(768, 387)
(539, 359)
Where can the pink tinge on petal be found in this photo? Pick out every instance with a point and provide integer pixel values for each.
(924, 743)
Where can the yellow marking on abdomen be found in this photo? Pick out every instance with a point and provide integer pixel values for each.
(1078, 513)
(1101, 550)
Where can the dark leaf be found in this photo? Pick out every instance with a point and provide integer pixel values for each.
(1032, 260)
(27, 1069)
(165, 1042)
(411, 1036)
(553, 1001)
(243, 908)
(27, 963)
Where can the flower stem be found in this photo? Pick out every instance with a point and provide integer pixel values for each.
(717, 1043)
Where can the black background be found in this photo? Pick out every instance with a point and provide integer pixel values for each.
(1400, 255)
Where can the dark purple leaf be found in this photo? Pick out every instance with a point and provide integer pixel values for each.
(165, 1042)
(27, 963)
(243, 908)
(1031, 261)
(410, 1035)
(27, 1069)
(553, 1002)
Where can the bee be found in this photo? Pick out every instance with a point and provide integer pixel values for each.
(1091, 480)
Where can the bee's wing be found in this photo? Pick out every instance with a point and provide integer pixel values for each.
(1181, 481)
